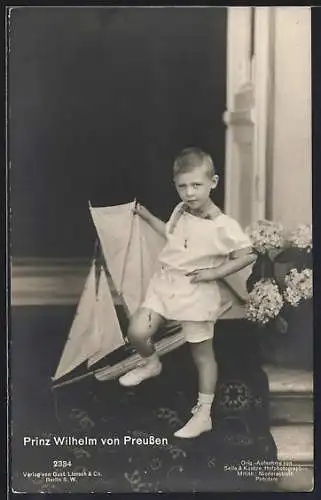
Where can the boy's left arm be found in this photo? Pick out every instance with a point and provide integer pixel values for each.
(238, 260)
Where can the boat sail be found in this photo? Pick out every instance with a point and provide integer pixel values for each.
(127, 258)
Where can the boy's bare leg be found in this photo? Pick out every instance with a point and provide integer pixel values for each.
(143, 325)
(205, 362)
(204, 359)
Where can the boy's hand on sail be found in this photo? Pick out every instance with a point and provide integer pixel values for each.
(142, 211)
(158, 225)
(204, 275)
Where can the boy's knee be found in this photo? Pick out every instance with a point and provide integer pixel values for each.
(135, 333)
(132, 333)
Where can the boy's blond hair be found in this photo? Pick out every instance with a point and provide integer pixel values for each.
(191, 158)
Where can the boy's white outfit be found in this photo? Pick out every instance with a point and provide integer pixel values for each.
(193, 242)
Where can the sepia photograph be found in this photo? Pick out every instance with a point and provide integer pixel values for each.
(159, 166)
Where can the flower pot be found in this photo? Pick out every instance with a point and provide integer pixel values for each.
(299, 258)
(292, 348)
(262, 268)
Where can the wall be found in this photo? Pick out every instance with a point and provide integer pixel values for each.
(290, 192)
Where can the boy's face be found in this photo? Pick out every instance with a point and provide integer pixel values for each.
(194, 187)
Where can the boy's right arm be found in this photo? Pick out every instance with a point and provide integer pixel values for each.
(153, 221)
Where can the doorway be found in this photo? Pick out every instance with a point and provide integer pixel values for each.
(101, 101)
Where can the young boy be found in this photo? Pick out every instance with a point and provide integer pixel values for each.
(203, 245)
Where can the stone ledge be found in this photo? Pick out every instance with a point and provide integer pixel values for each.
(285, 381)
(294, 443)
(291, 410)
(40, 282)
(302, 481)
(45, 282)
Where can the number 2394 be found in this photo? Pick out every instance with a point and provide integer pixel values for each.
(61, 463)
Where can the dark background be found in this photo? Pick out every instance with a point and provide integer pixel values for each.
(100, 102)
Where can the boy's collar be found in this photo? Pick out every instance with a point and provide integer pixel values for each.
(210, 213)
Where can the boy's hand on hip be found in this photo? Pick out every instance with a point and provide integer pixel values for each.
(202, 275)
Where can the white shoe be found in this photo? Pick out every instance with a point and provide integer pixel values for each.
(199, 423)
(137, 375)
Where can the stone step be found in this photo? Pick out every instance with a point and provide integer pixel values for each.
(291, 395)
(295, 445)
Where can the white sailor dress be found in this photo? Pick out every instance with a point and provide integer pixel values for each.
(192, 243)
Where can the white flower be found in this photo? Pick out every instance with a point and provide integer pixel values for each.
(302, 237)
(266, 235)
(265, 301)
(299, 286)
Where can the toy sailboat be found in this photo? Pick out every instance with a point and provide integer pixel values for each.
(125, 259)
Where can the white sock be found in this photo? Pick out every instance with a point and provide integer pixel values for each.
(206, 401)
(205, 398)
